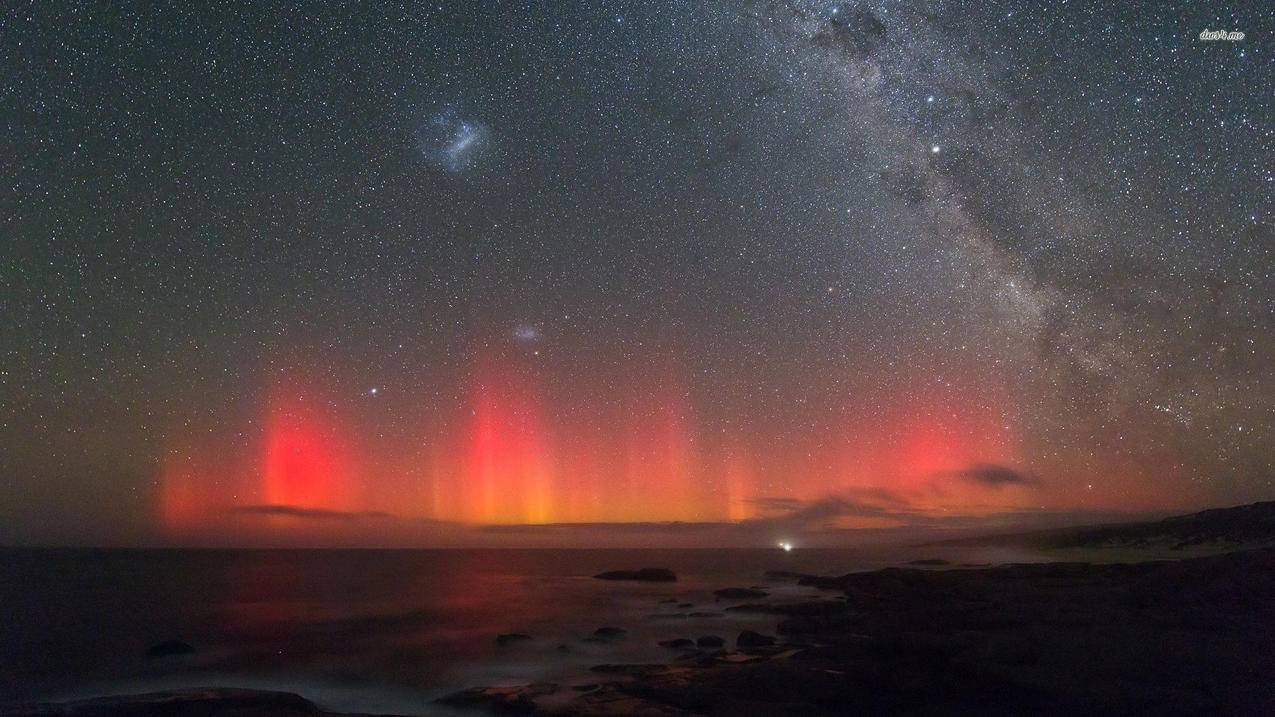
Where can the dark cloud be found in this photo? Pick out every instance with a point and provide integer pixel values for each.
(789, 516)
(775, 503)
(995, 476)
(822, 511)
(646, 527)
(823, 522)
(295, 511)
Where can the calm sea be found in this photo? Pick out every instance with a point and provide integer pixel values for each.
(366, 630)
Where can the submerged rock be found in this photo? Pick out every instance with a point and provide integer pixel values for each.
(748, 638)
(509, 638)
(680, 643)
(755, 607)
(650, 575)
(739, 593)
(707, 641)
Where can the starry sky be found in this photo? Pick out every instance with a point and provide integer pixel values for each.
(453, 273)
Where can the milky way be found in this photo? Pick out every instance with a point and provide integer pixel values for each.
(842, 265)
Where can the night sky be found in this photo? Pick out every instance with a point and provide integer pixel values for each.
(436, 273)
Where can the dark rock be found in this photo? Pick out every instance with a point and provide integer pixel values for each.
(708, 659)
(705, 614)
(686, 604)
(651, 575)
(929, 562)
(202, 702)
(680, 643)
(503, 700)
(629, 670)
(169, 648)
(509, 638)
(698, 657)
(748, 638)
(818, 607)
(816, 581)
(739, 593)
(754, 607)
(708, 641)
(610, 632)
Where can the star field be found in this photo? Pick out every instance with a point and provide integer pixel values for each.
(632, 261)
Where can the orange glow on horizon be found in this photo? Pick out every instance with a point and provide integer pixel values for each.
(505, 478)
(306, 462)
(514, 451)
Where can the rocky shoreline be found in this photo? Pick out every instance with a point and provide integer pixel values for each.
(1185, 637)
(1194, 636)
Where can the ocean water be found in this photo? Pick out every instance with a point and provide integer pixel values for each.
(370, 630)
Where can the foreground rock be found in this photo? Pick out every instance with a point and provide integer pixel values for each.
(189, 703)
(650, 575)
(680, 643)
(709, 641)
(748, 638)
